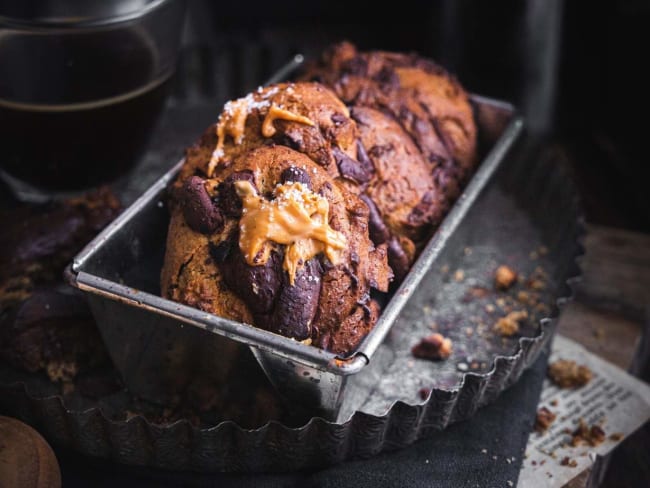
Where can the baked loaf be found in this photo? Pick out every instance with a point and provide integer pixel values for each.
(294, 206)
(427, 102)
(271, 240)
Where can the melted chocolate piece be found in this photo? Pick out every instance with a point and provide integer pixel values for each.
(296, 175)
(397, 259)
(363, 158)
(379, 233)
(297, 304)
(258, 285)
(227, 197)
(200, 213)
(338, 119)
(350, 168)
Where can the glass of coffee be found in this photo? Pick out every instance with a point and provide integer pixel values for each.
(82, 83)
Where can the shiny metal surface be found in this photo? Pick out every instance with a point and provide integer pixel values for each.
(147, 334)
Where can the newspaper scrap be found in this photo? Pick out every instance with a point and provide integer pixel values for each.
(613, 404)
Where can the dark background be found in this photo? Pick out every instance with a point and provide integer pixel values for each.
(575, 69)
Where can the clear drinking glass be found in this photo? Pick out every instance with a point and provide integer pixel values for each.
(82, 83)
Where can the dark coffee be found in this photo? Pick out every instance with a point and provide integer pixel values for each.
(76, 110)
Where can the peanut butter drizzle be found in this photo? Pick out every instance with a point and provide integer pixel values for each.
(232, 122)
(276, 112)
(297, 218)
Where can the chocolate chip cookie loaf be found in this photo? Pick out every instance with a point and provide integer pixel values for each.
(294, 206)
(429, 103)
(272, 240)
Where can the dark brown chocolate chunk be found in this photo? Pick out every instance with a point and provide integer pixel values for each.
(200, 213)
(397, 259)
(363, 158)
(379, 233)
(350, 168)
(227, 198)
(257, 285)
(296, 175)
(338, 118)
(297, 304)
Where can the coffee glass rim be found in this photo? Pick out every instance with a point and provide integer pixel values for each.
(58, 22)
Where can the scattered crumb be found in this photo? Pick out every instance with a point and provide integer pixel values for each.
(489, 308)
(433, 326)
(444, 269)
(568, 374)
(435, 347)
(459, 275)
(535, 284)
(61, 370)
(533, 462)
(599, 333)
(553, 403)
(509, 325)
(542, 250)
(504, 277)
(616, 436)
(483, 451)
(584, 434)
(469, 332)
(567, 461)
(424, 393)
(501, 303)
(510, 483)
(544, 420)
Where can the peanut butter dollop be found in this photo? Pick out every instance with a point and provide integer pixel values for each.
(297, 217)
(232, 121)
(276, 112)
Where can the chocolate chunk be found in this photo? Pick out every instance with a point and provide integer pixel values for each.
(379, 233)
(228, 199)
(220, 252)
(430, 209)
(379, 150)
(356, 66)
(397, 259)
(297, 304)
(338, 118)
(363, 158)
(257, 285)
(198, 209)
(295, 175)
(350, 168)
(387, 78)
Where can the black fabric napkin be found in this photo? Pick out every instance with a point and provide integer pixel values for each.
(485, 451)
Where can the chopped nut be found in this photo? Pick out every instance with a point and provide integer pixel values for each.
(509, 325)
(584, 434)
(535, 284)
(568, 374)
(567, 461)
(434, 347)
(544, 420)
(504, 277)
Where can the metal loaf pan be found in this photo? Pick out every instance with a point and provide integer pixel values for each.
(156, 343)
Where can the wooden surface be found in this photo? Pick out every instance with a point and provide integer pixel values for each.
(26, 460)
(608, 317)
